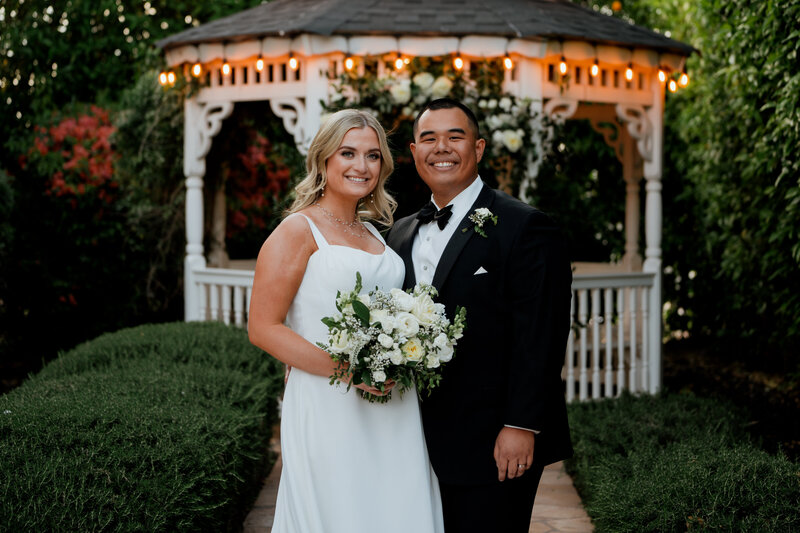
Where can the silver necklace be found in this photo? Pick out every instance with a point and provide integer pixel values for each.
(355, 227)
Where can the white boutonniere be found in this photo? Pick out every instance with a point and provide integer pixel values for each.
(479, 217)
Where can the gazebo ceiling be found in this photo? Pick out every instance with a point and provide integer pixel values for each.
(532, 20)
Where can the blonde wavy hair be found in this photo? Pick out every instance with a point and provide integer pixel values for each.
(378, 207)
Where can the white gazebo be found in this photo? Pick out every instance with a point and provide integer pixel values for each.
(572, 62)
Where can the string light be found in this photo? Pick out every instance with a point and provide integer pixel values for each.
(562, 66)
(672, 86)
(349, 62)
(226, 67)
(458, 62)
(629, 72)
(293, 64)
(260, 63)
(398, 63)
(595, 70)
(162, 78)
(508, 63)
(170, 77)
(197, 69)
(683, 80)
(662, 74)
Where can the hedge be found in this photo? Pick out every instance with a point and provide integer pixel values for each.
(156, 428)
(676, 462)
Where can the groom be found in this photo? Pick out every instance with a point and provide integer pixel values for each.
(498, 416)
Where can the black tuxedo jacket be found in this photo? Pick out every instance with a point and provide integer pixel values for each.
(507, 367)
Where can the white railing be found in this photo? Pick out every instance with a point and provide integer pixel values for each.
(607, 348)
(223, 294)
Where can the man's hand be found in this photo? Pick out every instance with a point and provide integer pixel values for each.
(513, 447)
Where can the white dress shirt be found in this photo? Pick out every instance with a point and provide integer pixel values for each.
(430, 241)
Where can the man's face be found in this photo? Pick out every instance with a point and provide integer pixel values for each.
(446, 152)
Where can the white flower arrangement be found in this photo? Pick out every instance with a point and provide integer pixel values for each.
(479, 218)
(402, 336)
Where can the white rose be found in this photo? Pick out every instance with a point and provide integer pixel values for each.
(441, 87)
(423, 80)
(505, 103)
(424, 309)
(440, 341)
(497, 138)
(445, 353)
(483, 212)
(402, 299)
(340, 342)
(432, 361)
(401, 91)
(379, 376)
(413, 350)
(512, 140)
(482, 104)
(407, 324)
(385, 340)
(364, 299)
(396, 357)
(494, 122)
(382, 317)
(492, 103)
(439, 308)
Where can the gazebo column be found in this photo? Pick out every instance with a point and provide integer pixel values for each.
(201, 122)
(653, 167)
(632, 260)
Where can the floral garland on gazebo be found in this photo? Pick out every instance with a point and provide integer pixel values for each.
(509, 124)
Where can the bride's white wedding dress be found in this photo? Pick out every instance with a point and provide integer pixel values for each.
(349, 466)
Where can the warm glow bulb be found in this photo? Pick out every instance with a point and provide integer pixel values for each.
(662, 76)
(197, 69)
(683, 81)
(162, 78)
(673, 86)
(508, 63)
(595, 70)
(406, 60)
(259, 64)
(293, 63)
(562, 66)
(458, 63)
(170, 77)
(629, 73)
(398, 63)
(349, 63)
(226, 68)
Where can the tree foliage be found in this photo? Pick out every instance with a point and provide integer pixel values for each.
(732, 174)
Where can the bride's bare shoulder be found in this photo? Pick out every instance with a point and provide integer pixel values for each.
(293, 233)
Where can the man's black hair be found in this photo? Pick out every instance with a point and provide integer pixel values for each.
(449, 103)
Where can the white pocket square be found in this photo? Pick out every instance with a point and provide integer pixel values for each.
(481, 270)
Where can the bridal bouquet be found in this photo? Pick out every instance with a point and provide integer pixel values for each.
(402, 336)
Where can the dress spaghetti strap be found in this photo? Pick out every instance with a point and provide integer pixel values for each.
(318, 237)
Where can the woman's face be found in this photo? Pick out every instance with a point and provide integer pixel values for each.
(353, 170)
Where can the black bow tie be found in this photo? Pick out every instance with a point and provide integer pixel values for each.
(430, 212)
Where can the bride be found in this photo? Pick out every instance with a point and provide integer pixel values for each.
(348, 465)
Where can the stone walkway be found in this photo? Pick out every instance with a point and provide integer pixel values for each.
(557, 509)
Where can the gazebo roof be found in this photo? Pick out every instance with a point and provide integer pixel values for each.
(534, 20)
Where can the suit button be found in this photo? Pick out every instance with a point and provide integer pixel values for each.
(425, 267)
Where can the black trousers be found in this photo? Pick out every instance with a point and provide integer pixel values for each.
(502, 507)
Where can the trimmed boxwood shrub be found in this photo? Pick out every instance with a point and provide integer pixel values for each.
(154, 428)
(676, 462)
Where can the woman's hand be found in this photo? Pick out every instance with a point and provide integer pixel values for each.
(387, 388)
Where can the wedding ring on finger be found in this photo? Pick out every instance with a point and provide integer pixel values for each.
(521, 466)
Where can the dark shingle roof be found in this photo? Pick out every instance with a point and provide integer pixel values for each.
(532, 19)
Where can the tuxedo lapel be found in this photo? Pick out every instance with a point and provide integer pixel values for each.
(460, 238)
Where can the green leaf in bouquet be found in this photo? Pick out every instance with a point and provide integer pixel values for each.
(357, 289)
(330, 322)
(362, 312)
